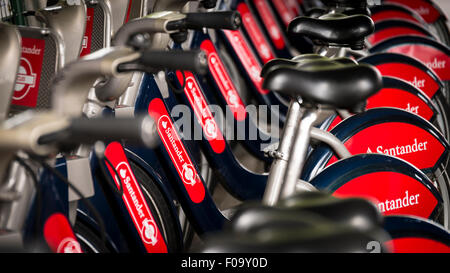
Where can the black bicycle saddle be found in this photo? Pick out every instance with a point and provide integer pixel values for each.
(254, 217)
(334, 29)
(302, 60)
(356, 212)
(338, 85)
(308, 210)
(295, 240)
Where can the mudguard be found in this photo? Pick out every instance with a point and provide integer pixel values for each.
(430, 52)
(384, 130)
(394, 11)
(416, 235)
(399, 94)
(393, 185)
(425, 8)
(396, 27)
(409, 69)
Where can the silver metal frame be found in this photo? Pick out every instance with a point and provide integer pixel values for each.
(10, 51)
(61, 19)
(283, 180)
(74, 82)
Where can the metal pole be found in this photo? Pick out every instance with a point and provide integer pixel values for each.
(278, 168)
(298, 153)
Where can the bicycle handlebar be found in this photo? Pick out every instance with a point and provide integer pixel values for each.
(136, 130)
(151, 60)
(216, 20)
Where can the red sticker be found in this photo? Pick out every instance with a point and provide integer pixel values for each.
(287, 15)
(416, 245)
(392, 97)
(223, 81)
(393, 193)
(127, 17)
(255, 33)
(293, 7)
(424, 9)
(247, 58)
(87, 38)
(202, 112)
(397, 139)
(270, 24)
(381, 35)
(431, 57)
(134, 200)
(26, 90)
(393, 14)
(59, 235)
(176, 150)
(411, 74)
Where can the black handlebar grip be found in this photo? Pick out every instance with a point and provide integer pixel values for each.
(216, 20)
(194, 60)
(136, 130)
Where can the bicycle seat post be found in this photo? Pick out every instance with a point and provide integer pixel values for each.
(280, 163)
(298, 151)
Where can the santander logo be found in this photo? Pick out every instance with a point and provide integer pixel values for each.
(223, 81)
(149, 232)
(218, 71)
(247, 58)
(232, 98)
(188, 172)
(175, 149)
(270, 23)
(256, 35)
(125, 174)
(69, 245)
(402, 149)
(134, 200)
(202, 112)
(26, 80)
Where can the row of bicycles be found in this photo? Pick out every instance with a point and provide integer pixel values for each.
(124, 124)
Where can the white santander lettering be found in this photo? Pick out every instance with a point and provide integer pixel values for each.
(32, 51)
(402, 202)
(418, 83)
(436, 64)
(412, 109)
(405, 149)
